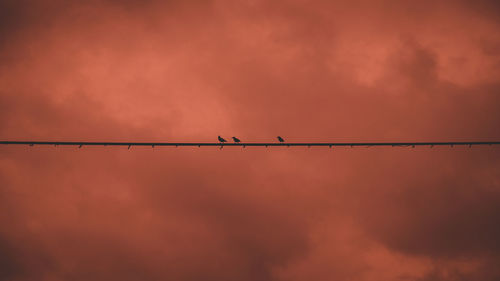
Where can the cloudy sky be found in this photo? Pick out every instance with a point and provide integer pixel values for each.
(323, 70)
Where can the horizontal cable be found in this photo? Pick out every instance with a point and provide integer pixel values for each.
(242, 144)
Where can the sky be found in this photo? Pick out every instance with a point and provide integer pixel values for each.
(309, 71)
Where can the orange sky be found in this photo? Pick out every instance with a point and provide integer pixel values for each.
(176, 70)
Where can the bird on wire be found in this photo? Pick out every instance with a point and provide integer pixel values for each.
(235, 139)
(221, 139)
(280, 139)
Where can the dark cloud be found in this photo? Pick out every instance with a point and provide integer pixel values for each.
(484, 8)
(178, 70)
(451, 218)
(8, 265)
(486, 272)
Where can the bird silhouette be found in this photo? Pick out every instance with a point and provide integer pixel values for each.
(221, 139)
(236, 139)
(281, 139)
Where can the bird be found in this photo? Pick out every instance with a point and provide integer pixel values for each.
(236, 139)
(221, 139)
(281, 139)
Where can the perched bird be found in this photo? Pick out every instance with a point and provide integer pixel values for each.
(281, 139)
(236, 139)
(221, 139)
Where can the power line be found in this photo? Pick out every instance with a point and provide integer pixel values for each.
(81, 144)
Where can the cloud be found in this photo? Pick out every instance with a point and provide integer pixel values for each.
(176, 70)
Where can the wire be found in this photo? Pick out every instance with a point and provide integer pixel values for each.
(80, 144)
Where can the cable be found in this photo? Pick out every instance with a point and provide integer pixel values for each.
(80, 144)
